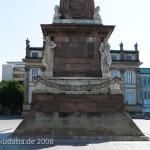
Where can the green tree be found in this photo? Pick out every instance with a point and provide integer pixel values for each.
(11, 94)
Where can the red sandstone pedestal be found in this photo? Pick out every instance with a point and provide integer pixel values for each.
(81, 117)
(70, 105)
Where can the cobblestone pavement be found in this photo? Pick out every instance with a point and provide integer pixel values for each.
(8, 125)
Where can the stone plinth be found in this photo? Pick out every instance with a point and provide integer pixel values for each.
(26, 108)
(77, 103)
(83, 126)
(78, 108)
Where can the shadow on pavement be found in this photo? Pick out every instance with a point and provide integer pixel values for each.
(34, 144)
(4, 136)
(3, 117)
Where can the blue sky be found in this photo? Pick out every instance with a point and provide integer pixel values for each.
(21, 19)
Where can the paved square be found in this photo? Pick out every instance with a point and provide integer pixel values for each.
(8, 125)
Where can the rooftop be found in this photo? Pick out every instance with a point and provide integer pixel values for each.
(124, 51)
(15, 62)
(36, 48)
(144, 70)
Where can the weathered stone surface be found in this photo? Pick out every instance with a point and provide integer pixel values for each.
(76, 58)
(63, 61)
(77, 49)
(77, 103)
(79, 9)
(96, 126)
(78, 39)
(90, 50)
(77, 21)
(66, 50)
(61, 39)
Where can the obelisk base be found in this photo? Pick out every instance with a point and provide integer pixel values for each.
(80, 126)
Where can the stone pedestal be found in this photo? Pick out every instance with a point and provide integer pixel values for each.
(78, 108)
(79, 101)
(80, 126)
(26, 108)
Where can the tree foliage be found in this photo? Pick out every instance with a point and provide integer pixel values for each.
(11, 93)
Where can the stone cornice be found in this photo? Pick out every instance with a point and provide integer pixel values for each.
(78, 29)
(30, 60)
(36, 48)
(126, 63)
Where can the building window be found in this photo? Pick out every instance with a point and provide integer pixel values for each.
(141, 95)
(130, 57)
(141, 83)
(129, 77)
(146, 103)
(35, 54)
(129, 98)
(114, 73)
(147, 95)
(114, 57)
(34, 72)
(18, 70)
(18, 76)
(146, 81)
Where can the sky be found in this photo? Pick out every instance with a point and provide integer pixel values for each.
(21, 19)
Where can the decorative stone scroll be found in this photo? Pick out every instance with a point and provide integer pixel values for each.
(78, 88)
(64, 87)
(113, 84)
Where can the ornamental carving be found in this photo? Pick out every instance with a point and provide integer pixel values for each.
(78, 88)
(77, 9)
(114, 85)
(67, 87)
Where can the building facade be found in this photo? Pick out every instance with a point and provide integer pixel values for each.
(34, 67)
(13, 70)
(125, 64)
(145, 90)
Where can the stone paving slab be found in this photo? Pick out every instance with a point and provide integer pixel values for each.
(82, 145)
(7, 126)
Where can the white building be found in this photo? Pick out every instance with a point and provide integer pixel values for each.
(7, 72)
(33, 67)
(13, 70)
(125, 64)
